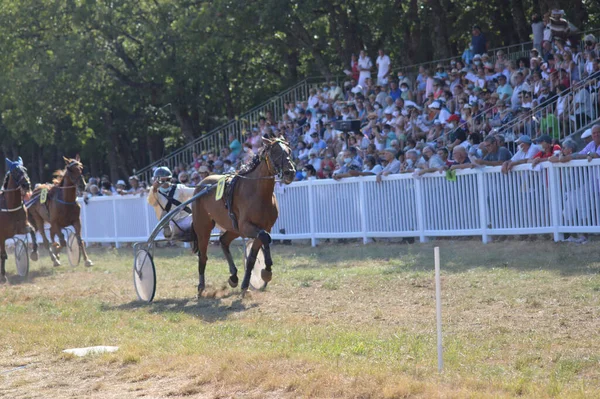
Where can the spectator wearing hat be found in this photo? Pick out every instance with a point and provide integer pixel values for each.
(590, 151)
(527, 151)
(549, 149)
(586, 136)
(121, 187)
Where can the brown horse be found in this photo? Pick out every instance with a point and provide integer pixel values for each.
(13, 215)
(252, 209)
(61, 208)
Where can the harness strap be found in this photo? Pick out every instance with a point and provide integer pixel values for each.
(12, 210)
(172, 201)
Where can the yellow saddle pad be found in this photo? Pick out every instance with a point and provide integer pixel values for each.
(44, 195)
(220, 188)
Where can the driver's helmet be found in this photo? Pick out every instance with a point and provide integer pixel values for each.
(163, 174)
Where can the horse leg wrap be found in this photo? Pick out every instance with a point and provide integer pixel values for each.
(264, 237)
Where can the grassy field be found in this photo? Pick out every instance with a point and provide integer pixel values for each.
(521, 319)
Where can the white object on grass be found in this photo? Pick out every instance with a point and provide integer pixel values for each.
(438, 308)
(92, 350)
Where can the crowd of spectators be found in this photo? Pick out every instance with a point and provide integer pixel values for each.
(452, 117)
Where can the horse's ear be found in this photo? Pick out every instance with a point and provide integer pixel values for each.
(77, 158)
(20, 161)
(66, 160)
(8, 163)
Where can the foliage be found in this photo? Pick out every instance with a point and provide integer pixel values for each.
(123, 82)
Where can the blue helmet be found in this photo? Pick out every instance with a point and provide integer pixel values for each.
(162, 173)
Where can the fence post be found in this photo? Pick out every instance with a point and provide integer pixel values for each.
(483, 206)
(553, 182)
(146, 214)
(362, 205)
(311, 214)
(114, 202)
(84, 227)
(420, 212)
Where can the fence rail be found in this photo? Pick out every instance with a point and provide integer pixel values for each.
(553, 199)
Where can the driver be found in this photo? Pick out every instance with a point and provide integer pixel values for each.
(164, 196)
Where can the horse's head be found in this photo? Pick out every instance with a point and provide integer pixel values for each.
(74, 170)
(278, 154)
(18, 173)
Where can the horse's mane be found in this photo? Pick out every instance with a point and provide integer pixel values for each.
(252, 164)
(5, 184)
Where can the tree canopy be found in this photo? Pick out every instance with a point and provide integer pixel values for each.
(123, 82)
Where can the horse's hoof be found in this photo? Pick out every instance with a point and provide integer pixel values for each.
(233, 281)
(244, 293)
(200, 291)
(266, 275)
(89, 263)
(56, 263)
(3, 280)
(34, 256)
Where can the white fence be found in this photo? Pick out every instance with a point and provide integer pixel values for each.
(555, 199)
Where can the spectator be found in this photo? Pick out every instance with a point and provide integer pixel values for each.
(527, 151)
(364, 66)
(591, 151)
(195, 179)
(495, 156)
(478, 41)
(317, 142)
(433, 162)
(586, 136)
(460, 159)
(383, 63)
(548, 150)
(121, 187)
(107, 188)
(184, 178)
(309, 173)
(134, 182)
(94, 191)
(314, 159)
(234, 146)
(393, 165)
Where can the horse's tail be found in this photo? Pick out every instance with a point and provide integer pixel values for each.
(195, 240)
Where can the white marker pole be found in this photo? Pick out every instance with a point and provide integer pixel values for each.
(438, 307)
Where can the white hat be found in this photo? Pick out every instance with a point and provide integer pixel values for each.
(586, 134)
(388, 112)
(356, 89)
(120, 183)
(435, 105)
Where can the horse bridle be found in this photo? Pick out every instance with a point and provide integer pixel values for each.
(18, 188)
(272, 165)
(68, 173)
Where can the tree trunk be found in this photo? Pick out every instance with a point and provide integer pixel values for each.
(439, 31)
(112, 155)
(229, 108)
(520, 22)
(185, 122)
